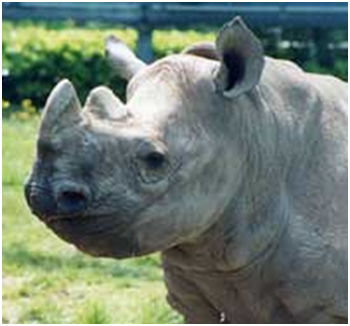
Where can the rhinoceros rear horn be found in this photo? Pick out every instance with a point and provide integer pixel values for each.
(62, 107)
(103, 104)
(121, 58)
(242, 59)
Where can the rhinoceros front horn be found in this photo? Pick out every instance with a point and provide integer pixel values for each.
(62, 107)
(121, 58)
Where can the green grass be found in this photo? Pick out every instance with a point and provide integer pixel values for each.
(48, 281)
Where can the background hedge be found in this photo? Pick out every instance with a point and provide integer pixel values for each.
(38, 55)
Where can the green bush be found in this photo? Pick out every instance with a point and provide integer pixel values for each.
(174, 41)
(39, 55)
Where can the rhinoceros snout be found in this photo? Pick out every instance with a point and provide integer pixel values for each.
(69, 201)
(40, 200)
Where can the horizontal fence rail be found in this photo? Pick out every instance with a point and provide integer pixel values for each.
(331, 14)
(146, 17)
(314, 35)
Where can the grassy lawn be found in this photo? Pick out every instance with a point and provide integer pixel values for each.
(48, 281)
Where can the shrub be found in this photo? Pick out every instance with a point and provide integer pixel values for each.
(39, 55)
(174, 41)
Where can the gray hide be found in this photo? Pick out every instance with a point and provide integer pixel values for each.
(232, 164)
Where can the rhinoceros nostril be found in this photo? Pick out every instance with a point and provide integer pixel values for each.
(72, 202)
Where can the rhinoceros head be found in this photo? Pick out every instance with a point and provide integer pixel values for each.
(120, 180)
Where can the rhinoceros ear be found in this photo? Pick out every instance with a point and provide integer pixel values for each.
(242, 59)
(62, 107)
(103, 104)
(121, 58)
(202, 49)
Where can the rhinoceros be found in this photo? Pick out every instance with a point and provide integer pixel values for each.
(233, 165)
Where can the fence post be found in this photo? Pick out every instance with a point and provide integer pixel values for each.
(144, 40)
(144, 43)
(324, 55)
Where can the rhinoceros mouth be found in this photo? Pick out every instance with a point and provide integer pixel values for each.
(83, 225)
(96, 236)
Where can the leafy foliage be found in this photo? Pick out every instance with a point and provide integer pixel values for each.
(38, 57)
(39, 54)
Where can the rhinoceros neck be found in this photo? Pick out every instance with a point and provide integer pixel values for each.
(249, 228)
(245, 235)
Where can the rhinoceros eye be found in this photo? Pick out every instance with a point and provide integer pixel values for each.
(154, 160)
(152, 164)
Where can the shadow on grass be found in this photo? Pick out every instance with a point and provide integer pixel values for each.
(19, 256)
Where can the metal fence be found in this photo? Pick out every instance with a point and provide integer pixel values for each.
(149, 16)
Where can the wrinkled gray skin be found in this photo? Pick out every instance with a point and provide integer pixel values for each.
(234, 165)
